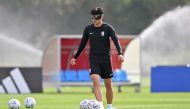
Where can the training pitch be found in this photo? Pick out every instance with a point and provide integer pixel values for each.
(128, 99)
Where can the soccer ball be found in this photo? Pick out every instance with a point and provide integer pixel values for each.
(84, 104)
(93, 104)
(14, 104)
(89, 104)
(29, 102)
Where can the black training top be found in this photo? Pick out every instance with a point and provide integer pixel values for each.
(99, 38)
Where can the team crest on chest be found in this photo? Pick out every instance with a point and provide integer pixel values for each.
(102, 33)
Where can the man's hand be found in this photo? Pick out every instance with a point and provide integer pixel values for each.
(120, 57)
(73, 61)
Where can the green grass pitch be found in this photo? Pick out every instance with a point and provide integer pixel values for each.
(128, 99)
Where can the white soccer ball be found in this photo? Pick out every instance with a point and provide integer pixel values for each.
(29, 102)
(14, 104)
(84, 104)
(93, 104)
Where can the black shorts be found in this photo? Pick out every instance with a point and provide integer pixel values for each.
(102, 69)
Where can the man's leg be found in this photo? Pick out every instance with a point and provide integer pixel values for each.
(109, 92)
(97, 89)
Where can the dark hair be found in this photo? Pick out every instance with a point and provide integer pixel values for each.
(97, 10)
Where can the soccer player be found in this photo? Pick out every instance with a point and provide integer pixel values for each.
(99, 34)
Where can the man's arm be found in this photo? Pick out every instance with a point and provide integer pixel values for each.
(82, 44)
(115, 40)
(117, 44)
(81, 47)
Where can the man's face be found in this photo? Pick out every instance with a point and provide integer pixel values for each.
(97, 18)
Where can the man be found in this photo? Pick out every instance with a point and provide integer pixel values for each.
(99, 34)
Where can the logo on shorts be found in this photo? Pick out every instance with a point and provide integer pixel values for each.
(111, 74)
